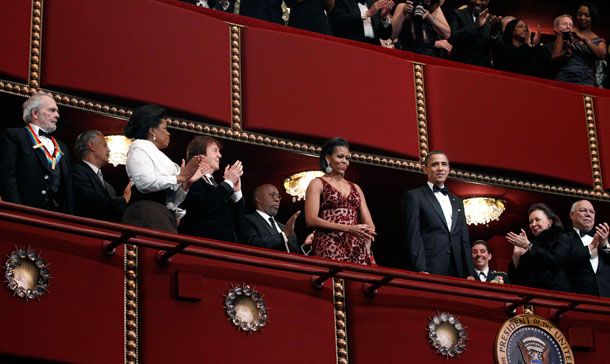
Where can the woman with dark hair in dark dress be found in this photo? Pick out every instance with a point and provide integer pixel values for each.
(336, 208)
(576, 51)
(539, 256)
(518, 56)
(310, 15)
(158, 184)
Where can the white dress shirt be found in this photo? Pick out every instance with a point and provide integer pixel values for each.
(236, 196)
(150, 170)
(445, 204)
(586, 241)
(47, 142)
(276, 227)
(478, 272)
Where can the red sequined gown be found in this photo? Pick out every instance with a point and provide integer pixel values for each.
(338, 245)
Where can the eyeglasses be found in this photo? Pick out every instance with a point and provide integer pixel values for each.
(275, 195)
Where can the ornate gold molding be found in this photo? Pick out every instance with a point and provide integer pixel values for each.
(420, 108)
(236, 105)
(131, 304)
(598, 186)
(307, 148)
(342, 351)
(34, 65)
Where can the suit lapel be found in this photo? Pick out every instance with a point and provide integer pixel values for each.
(94, 178)
(434, 202)
(265, 224)
(38, 151)
(454, 211)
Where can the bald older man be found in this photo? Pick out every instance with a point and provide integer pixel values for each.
(589, 265)
(262, 230)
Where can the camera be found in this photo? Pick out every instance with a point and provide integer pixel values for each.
(568, 36)
(419, 6)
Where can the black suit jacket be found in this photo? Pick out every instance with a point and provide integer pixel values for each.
(25, 173)
(255, 231)
(269, 10)
(346, 22)
(580, 273)
(210, 213)
(92, 199)
(428, 239)
(495, 277)
(471, 44)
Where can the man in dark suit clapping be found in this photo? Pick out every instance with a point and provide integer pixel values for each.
(589, 265)
(95, 198)
(435, 233)
(262, 230)
(35, 167)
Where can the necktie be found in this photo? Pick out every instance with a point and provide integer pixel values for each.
(483, 276)
(273, 225)
(101, 177)
(44, 133)
(443, 190)
(212, 181)
(587, 232)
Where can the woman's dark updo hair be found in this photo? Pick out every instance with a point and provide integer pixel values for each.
(592, 10)
(142, 119)
(547, 211)
(507, 36)
(329, 148)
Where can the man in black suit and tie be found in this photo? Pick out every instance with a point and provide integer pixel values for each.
(35, 167)
(262, 230)
(481, 257)
(435, 233)
(363, 21)
(588, 269)
(95, 198)
(213, 210)
(474, 33)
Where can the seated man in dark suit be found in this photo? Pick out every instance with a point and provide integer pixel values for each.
(94, 197)
(435, 233)
(35, 167)
(213, 210)
(588, 269)
(260, 228)
(474, 33)
(481, 257)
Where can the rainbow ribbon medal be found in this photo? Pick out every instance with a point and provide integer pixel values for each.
(51, 159)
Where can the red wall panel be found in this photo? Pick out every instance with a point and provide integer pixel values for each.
(300, 327)
(140, 50)
(15, 39)
(500, 122)
(81, 319)
(312, 87)
(602, 119)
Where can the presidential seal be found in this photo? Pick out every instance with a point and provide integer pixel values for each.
(530, 339)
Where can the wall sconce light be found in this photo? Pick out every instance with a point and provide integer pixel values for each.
(119, 145)
(296, 184)
(482, 210)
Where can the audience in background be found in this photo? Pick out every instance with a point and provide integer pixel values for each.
(269, 10)
(94, 197)
(310, 15)
(213, 210)
(337, 209)
(366, 22)
(539, 257)
(221, 5)
(577, 50)
(35, 167)
(262, 230)
(158, 184)
(517, 55)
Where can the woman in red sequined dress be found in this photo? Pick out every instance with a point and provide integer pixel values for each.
(336, 208)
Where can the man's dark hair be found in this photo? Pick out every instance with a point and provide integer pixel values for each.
(142, 120)
(481, 242)
(592, 9)
(329, 148)
(433, 153)
(547, 211)
(81, 147)
(199, 145)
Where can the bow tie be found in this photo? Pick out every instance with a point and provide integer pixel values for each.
(443, 190)
(587, 232)
(44, 133)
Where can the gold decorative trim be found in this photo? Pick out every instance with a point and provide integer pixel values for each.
(34, 62)
(191, 126)
(420, 108)
(236, 105)
(131, 304)
(598, 186)
(340, 321)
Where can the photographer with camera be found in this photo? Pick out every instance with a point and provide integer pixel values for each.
(577, 49)
(421, 27)
(474, 33)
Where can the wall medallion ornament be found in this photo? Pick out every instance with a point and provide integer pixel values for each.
(447, 334)
(531, 339)
(26, 274)
(246, 308)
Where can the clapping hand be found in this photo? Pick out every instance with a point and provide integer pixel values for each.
(600, 239)
(520, 240)
(234, 172)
